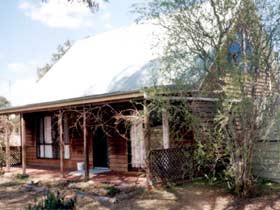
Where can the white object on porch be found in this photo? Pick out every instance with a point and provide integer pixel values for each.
(138, 153)
(80, 166)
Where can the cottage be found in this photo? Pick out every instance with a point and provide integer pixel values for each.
(106, 128)
(93, 110)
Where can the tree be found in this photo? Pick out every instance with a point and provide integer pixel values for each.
(61, 50)
(4, 102)
(233, 47)
(93, 5)
(5, 130)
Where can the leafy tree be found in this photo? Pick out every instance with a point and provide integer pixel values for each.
(93, 5)
(4, 102)
(61, 50)
(3, 124)
(233, 47)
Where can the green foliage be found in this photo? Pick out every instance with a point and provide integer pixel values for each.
(4, 102)
(193, 51)
(22, 176)
(93, 5)
(112, 191)
(53, 201)
(2, 156)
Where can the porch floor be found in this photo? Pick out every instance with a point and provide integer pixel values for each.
(46, 174)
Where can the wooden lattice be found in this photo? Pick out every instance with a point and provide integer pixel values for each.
(171, 165)
(15, 155)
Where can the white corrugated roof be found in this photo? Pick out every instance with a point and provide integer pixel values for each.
(118, 60)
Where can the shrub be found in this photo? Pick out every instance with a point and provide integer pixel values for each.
(112, 191)
(22, 176)
(2, 157)
(53, 201)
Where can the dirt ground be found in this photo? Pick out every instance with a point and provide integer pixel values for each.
(190, 196)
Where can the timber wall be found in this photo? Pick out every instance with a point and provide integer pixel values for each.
(204, 110)
(266, 156)
(266, 160)
(117, 150)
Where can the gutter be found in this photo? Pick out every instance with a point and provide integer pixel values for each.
(93, 99)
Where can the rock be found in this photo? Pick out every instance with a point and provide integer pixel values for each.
(62, 182)
(40, 189)
(33, 188)
(97, 197)
(34, 182)
(72, 185)
(123, 195)
(81, 185)
(126, 188)
(91, 182)
(105, 199)
(100, 191)
(69, 194)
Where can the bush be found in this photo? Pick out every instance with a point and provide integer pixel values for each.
(2, 157)
(112, 191)
(22, 176)
(53, 201)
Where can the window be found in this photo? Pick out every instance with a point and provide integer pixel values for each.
(236, 47)
(155, 118)
(66, 138)
(48, 138)
(180, 122)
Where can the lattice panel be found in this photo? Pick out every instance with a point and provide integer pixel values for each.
(15, 155)
(171, 165)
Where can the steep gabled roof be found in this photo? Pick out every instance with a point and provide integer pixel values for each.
(118, 60)
(123, 59)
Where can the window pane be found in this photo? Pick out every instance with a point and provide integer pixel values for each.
(48, 129)
(66, 130)
(41, 130)
(42, 151)
(66, 152)
(48, 151)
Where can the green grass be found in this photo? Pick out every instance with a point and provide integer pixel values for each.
(22, 176)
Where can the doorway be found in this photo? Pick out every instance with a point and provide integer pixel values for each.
(100, 149)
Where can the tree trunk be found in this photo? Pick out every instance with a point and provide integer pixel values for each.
(23, 144)
(7, 142)
(61, 143)
(147, 143)
(86, 155)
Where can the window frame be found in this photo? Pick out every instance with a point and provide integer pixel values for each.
(41, 141)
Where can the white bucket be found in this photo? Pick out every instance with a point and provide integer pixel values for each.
(80, 166)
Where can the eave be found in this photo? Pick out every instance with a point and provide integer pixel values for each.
(80, 101)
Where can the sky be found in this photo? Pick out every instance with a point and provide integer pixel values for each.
(31, 30)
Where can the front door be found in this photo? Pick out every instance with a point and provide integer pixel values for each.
(100, 149)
